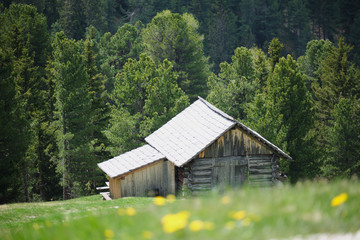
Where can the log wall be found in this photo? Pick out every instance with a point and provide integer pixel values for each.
(233, 159)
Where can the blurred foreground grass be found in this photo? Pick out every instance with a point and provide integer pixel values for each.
(250, 213)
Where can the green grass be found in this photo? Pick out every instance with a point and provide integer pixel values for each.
(272, 213)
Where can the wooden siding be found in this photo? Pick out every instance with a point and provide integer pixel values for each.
(263, 170)
(233, 159)
(114, 185)
(206, 173)
(158, 177)
(235, 142)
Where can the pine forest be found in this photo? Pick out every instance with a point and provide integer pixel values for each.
(84, 81)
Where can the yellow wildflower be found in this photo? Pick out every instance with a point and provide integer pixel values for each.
(147, 235)
(174, 222)
(159, 200)
(339, 199)
(108, 233)
(209, 225)
(239, 215)
(225, 200)
(130, 211)
(36, 226)
(196, 225)
(171, 198)
(246, 222)
(230, 225)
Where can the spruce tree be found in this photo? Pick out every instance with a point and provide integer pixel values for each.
(99, 109)
(339, 79)
(146, 96)
(235, 86)
(221, 35)
(282, 114)
(14, 131)
(25, 32)
(72, 114)
(175, 37)
(274, 52)
(344, 141)
(114, 51)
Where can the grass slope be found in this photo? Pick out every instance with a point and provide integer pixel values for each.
(257, 213)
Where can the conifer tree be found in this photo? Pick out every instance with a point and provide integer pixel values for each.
(99, 108)
(175, 37)
(72, 114)
(221, 34)
(235, 86)
(146, 96)
(114, 51)
(274, 52)
(25, 32)
(14, 131)
(344, 142)
(339, 79)
(72, 18)
(282, 114)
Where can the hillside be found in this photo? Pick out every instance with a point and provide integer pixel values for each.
(263, 213)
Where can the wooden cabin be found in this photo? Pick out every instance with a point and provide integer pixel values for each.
(200, 148)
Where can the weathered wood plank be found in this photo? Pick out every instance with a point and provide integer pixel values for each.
(202, 161)
(201, 180)
(259, 164)
(199, 168)
(206, 172)
(260, 158)
(240, 160)
(106, 195)
(261, 170)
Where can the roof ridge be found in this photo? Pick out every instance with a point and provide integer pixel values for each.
(246, 128)
(217, 110)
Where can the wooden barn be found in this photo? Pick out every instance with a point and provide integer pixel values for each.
(200, 148)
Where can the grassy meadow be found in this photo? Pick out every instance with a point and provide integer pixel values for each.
(250, 213)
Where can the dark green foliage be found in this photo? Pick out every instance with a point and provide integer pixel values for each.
(274, 52)
(221, 35)
(235, 85)
(344, 144)
(73, 19)
(95, 14)
(55, 106)
(115, 50)
(316, 52)
(25, 33)
(13, 129)
(282, 114)
(146, 96)
(99, 110)
(72, 114)
(175, 37)
(339, 79)
(298, 25)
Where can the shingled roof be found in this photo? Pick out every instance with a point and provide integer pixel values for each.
(181, 139)
(194, 129)
(131, 160)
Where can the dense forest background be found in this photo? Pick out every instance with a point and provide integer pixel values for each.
(82, 81)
